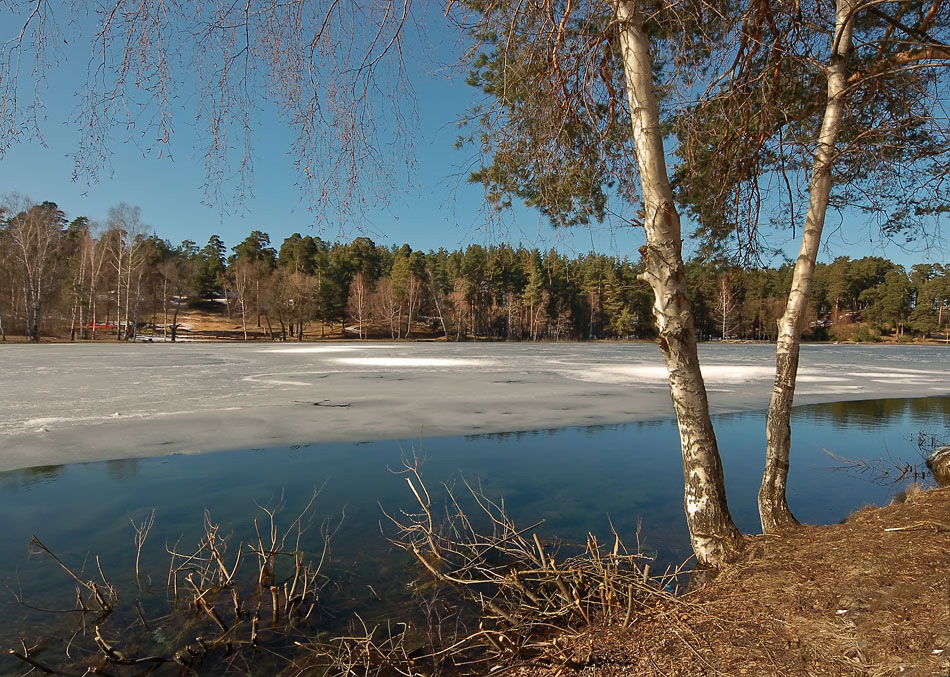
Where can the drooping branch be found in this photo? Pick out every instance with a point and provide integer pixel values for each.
(334, 71)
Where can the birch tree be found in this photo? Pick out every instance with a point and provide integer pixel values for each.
(571, 124)
(6, 276)
(773, 502)
(126, 236)
(96, 252)
(35, 232)
(727, 303)
(817, 115)
(242, 274)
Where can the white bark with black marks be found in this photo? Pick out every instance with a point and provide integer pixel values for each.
(713, 534)
(773, 506)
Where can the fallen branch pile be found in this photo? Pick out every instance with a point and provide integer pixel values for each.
(497, 596)
(222, 606)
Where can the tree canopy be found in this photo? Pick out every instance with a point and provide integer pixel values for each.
(746, 145)
(496, 292)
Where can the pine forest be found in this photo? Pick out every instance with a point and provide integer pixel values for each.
(77, 280)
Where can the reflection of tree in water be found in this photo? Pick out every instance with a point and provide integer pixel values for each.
(590, 430)
(925, 419)
(515, 434)
(874, 414)
(28, 477)
(123, 469)
(924, 408)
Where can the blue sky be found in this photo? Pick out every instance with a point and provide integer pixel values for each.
(434, 207)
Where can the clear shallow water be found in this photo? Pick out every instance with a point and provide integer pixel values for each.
(572, 478)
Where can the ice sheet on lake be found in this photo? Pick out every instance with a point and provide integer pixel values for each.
(413, 362)
(65, 403)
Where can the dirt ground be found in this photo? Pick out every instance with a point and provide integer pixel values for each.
(870, 596)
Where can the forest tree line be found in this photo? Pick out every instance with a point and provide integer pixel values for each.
(82, 280)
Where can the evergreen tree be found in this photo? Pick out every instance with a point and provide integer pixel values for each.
(212, 268)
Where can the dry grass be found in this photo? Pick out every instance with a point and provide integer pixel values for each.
(870, 596)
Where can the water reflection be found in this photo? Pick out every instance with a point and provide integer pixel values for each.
(515, 434)
(875, 414)
(593, 430)
(24, 478)
(123, 469)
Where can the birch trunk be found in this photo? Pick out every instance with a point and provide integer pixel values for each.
(412, 299)
(118, 290)
(773, 506)
(438, 309)
(135, 265)
(35, 322)
(92, 316)
(164, 308)
(35, 290)
(75, 314)
(713, 534)
(138, 301)
(94, 273)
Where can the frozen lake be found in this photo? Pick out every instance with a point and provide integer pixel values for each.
(67, 403)
(600, 448)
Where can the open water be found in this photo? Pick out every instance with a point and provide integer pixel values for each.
(575, 479)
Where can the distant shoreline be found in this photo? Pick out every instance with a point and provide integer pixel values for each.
(55, 340)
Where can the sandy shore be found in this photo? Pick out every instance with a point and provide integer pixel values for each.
(86, 402)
